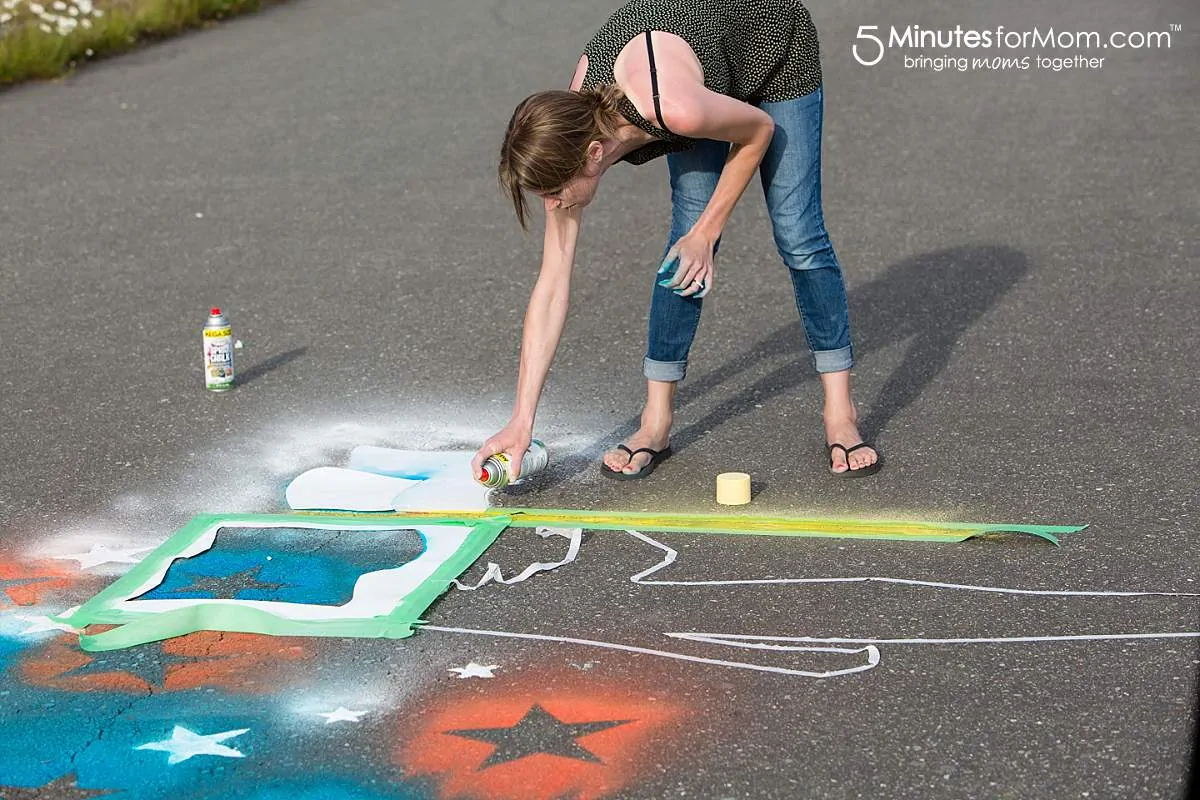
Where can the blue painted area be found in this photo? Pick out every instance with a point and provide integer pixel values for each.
(45, 728)
(14, 641)
(95, 735)
(407, 474)
(290, 565)
(9, 648)
(114, 760)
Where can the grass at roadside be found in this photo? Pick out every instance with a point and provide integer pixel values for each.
(47, 38)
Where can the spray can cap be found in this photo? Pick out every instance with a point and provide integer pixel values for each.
(485, 476)
(216, 312)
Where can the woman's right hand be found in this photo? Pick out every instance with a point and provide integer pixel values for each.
(513, 439)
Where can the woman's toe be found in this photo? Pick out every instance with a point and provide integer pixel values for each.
(866, 457)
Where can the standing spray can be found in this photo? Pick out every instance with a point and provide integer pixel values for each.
(495, 468)
(218, 352)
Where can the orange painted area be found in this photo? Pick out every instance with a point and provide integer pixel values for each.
(234, 662)
(458, 763)
(244, 663)
(50, 664)
(42, 577)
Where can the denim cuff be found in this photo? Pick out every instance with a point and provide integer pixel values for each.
(663, 370)
(834, 360)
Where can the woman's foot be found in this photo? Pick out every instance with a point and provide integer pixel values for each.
(655, 434)
(841, 428)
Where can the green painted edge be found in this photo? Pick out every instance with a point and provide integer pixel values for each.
(143, 627)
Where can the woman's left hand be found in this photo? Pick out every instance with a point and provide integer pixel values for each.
(694, 273)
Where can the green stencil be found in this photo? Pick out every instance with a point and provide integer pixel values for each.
(385, 603)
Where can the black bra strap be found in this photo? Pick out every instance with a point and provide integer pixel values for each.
(654, 85)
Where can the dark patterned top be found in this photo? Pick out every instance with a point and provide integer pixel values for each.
(751, 50)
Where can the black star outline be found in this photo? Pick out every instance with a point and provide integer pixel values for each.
(538, 731)
(238, 581)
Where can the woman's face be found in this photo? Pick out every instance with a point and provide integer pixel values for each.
(580, 190)
(577, 193)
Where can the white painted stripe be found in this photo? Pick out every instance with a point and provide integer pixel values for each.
(762, 642)
(871, 651)
(494, 575)
(671, 555)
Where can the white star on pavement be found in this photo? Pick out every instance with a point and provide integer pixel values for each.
(340, 714)
(474, 670)
(43, 624)
(101, 554)
(184, 744)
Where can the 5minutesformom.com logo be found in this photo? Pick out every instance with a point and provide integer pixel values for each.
(869, 48)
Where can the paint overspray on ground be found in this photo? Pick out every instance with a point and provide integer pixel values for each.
(584, 711)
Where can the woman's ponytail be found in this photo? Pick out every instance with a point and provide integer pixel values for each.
(605, 100)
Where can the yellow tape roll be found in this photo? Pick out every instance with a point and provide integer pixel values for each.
(733, 488)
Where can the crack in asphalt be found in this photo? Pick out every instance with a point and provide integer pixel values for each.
(107, 726)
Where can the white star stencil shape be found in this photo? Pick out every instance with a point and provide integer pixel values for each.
(474, 670)
(43, 624)
(184, 744)
(102, 554)
(340, 714)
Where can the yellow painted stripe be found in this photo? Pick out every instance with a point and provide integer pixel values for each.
(740, 524)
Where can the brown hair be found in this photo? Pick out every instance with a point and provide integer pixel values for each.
(546, 143)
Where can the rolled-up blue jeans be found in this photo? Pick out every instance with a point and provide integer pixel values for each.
(791, 178)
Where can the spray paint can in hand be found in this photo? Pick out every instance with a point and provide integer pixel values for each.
(495, 468)
(218, 352)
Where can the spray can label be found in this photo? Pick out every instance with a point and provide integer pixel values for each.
(218, 353)
(495, 468)
(495, 471)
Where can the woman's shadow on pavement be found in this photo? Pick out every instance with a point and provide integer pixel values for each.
(930, 300)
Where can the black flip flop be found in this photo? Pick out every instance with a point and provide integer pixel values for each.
(656, 457)
(861, 472)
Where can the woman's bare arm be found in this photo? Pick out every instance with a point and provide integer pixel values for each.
(696, 112)
(546, 314)
(689, 108)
